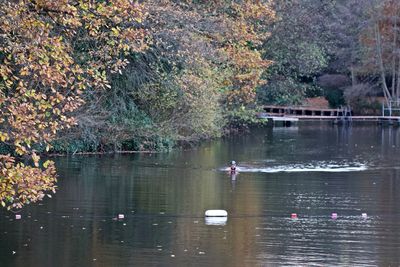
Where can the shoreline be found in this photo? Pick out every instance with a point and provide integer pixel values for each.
(102, 153)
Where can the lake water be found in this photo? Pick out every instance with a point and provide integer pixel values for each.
(312, 171)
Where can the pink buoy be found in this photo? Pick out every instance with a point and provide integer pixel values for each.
(293, 215)
(18, 216)
(121, 216)
(334, 215)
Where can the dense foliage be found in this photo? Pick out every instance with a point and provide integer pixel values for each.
(79, 76)
(110, 75)
(50, 52)
(197, 78)
(346, 50)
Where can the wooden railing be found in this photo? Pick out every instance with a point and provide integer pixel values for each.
(307, 111)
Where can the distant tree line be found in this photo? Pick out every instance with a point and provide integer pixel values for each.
(345, 50)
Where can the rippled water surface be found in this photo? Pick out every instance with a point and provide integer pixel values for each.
(312, 171)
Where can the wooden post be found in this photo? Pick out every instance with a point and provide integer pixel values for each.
(383, 109)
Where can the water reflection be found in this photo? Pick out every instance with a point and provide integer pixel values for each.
(216, 220)
(163, 198)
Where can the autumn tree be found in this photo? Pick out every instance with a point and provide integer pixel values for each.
(198, 75)
(222, 39)
(61, 65)
(50, 53)
(381, 37)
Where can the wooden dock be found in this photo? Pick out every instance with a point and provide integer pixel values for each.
(304, 111)
(289, 115)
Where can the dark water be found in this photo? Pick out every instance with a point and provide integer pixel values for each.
(313, 171)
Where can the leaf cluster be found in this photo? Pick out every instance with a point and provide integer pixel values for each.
(50, 53)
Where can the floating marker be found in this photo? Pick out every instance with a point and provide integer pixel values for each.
(121, 216)
(334, 215)
(364, 215)
(216, 213)
(293, 216)
(18, 216)
(216, 217)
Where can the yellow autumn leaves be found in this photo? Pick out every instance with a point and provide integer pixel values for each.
(50, 51)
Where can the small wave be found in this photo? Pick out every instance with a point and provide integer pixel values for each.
(304, 168)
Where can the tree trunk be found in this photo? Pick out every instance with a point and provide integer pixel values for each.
(398, 80)
(394, 46)
(378, 41)
(353, 77)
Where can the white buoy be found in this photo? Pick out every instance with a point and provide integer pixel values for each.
(364, 215)
(216, 213)
(18, 216)
(121, 216)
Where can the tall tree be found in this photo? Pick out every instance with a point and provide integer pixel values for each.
(50, 52)
(381, 38)
(301, 45)
(199, 73)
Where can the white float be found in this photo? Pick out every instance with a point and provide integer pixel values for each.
(216, 213)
